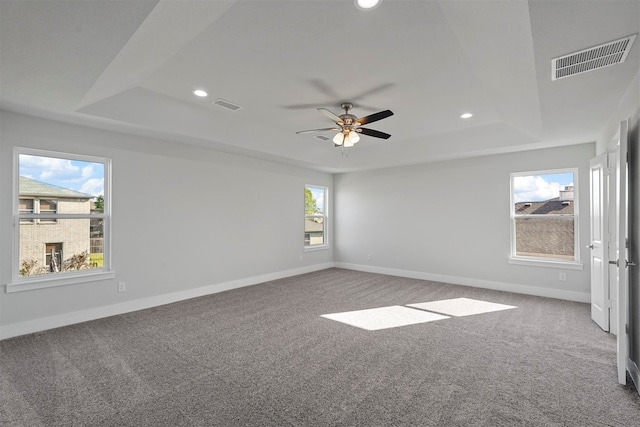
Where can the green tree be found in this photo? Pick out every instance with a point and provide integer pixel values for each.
(100, 203)
(310, 206)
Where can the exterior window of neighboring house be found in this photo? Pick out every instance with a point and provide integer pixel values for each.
(315, 216)
(544, 217)
(53, 254)
(62, 203)
(26, 206)
(47, 206)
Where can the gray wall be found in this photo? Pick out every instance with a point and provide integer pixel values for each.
(183, 218)
(450, 221)
(186, 218)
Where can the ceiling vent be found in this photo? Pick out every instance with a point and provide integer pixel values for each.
(226, 104)
(322, 138)
(614, 52)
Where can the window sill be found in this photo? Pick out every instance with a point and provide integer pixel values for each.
(316, 248)
(535, 262)
(48, 282)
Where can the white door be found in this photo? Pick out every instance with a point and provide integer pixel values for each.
(613, 237)
(623, 291)
(599, 245)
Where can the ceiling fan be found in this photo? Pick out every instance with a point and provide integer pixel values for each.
(349, 126)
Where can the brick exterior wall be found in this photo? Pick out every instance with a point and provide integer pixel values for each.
(72, 233)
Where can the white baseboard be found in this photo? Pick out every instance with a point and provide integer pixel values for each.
(476, 283)
(42, 324)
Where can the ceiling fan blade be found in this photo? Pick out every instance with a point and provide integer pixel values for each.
(372, 91)
(374, 133)
(374, 117)
(324, 88)
(301, 106)
(316, 130)
(330, 115)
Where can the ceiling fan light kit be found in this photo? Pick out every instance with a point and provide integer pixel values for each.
(349, 126)
(367, 4)
(346, 139)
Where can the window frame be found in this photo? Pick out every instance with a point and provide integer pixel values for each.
(25, 283)
(573, 264)
(325, 220)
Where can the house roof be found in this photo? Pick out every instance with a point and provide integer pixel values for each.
(552, 206)
(31, 187)
(132, 66)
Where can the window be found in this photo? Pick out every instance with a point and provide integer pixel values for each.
(63, 208)
(26, 206)
(54, 257)
(47, 206)
(315, 217)
(544, 217)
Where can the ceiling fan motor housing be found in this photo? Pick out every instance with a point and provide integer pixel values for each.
(348, 119)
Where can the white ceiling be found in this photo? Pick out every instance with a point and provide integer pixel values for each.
(132, 66)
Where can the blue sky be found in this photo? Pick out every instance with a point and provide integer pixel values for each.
(535, 188)
(318, 196)
(86, 177)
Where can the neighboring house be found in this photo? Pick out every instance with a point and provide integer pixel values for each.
(552, 232)
(313, 232)
(52, 241)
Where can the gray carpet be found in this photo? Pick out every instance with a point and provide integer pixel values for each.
(263, 356)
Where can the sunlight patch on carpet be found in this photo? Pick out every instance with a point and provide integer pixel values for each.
(461, 306)
(384, 317)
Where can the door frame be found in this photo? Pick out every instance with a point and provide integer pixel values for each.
(617, 236)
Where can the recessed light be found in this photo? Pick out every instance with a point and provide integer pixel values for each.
(466, 116)
(367, 4)
(200, 93)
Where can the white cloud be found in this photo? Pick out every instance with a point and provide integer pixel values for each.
(76, 175)
(534, 188)
(51, 168)
(87, 171)
(93, 186)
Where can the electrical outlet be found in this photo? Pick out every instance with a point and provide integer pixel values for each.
(563, 277)
(368, 257)
(122, 286)
(301, 257)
